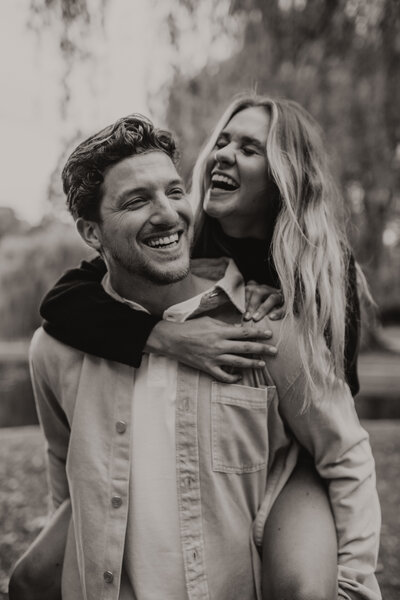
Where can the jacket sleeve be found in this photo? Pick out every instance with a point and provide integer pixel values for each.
(331, 432)
(78, 312)
(55, 427)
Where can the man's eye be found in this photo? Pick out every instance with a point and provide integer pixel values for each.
(135, 203)
(177, 192)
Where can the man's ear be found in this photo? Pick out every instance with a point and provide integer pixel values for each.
(90, 233)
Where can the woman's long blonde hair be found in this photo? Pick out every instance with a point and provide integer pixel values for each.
(309, 247)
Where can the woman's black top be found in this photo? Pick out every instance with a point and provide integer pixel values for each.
(78, 312)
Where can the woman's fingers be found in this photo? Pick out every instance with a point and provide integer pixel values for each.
(260, 300)
(272, 307)
(231, 361)
(213, 346)
(242, 348)
(222, 376)
(245, 332)
(278, 313)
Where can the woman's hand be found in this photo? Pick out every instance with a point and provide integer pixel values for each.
(212, 346)
(262, 300)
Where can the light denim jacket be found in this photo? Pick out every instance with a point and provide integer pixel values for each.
(236, 446)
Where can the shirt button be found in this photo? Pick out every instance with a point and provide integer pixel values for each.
(108, 576)
(116, 501)
(120, 426)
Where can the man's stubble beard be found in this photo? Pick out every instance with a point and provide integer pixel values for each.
(145, 269)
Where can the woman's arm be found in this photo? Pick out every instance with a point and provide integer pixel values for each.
(79, 313)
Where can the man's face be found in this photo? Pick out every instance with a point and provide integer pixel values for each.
(237, 177)
(146, 220)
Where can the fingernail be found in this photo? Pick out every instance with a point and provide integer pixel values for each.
(261, 363)
(273, 315)
(268, 332)
(273, 350)
(256, 316)
(247, 316)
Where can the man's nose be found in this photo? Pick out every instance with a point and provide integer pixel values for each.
(225, 155)
(164, 212)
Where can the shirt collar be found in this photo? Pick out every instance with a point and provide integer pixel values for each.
(228, 283)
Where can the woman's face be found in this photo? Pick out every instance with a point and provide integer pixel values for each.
(237, 180)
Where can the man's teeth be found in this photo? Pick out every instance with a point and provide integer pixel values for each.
(163, 241)
(223, 181)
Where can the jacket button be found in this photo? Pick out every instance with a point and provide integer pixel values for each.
(108, 576)
(116, 501)
(120, 426)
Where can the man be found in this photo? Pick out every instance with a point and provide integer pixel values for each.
(171, 475)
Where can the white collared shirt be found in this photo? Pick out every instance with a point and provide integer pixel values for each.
(236, 447)
(153, 561)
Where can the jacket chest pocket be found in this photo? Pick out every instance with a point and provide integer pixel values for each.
(239, 428)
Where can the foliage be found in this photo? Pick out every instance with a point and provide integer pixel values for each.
(9, 222)
(76, 21)
(338, 58)
(29, 265)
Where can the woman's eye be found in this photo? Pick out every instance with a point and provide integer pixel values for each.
(220, 144)
(248, 150)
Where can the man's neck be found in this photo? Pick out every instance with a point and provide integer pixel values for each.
(154, 297)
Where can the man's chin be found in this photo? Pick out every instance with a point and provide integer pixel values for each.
(166, 276)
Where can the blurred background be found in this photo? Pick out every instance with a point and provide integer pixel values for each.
(70, 67)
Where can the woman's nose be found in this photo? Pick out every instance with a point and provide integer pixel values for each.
(225, 155)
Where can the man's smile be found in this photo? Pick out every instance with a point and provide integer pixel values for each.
(165, 242)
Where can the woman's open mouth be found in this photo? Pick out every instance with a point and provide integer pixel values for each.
(225, 183)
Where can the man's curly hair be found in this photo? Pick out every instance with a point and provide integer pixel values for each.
(85, 169)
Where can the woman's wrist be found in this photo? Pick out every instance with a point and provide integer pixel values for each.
(161, 338)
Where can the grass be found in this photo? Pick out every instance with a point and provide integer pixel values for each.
(23, 497)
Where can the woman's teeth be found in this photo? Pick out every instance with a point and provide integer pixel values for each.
(224, 182)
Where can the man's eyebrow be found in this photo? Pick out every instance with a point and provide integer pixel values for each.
(145, 190)
(131, 191)
(176, 181)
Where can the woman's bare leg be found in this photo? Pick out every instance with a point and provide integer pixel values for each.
(300, 546)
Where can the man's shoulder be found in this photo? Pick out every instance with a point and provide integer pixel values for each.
(47, 352)
(286, 366)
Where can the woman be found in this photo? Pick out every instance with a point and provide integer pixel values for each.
(264, 196)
